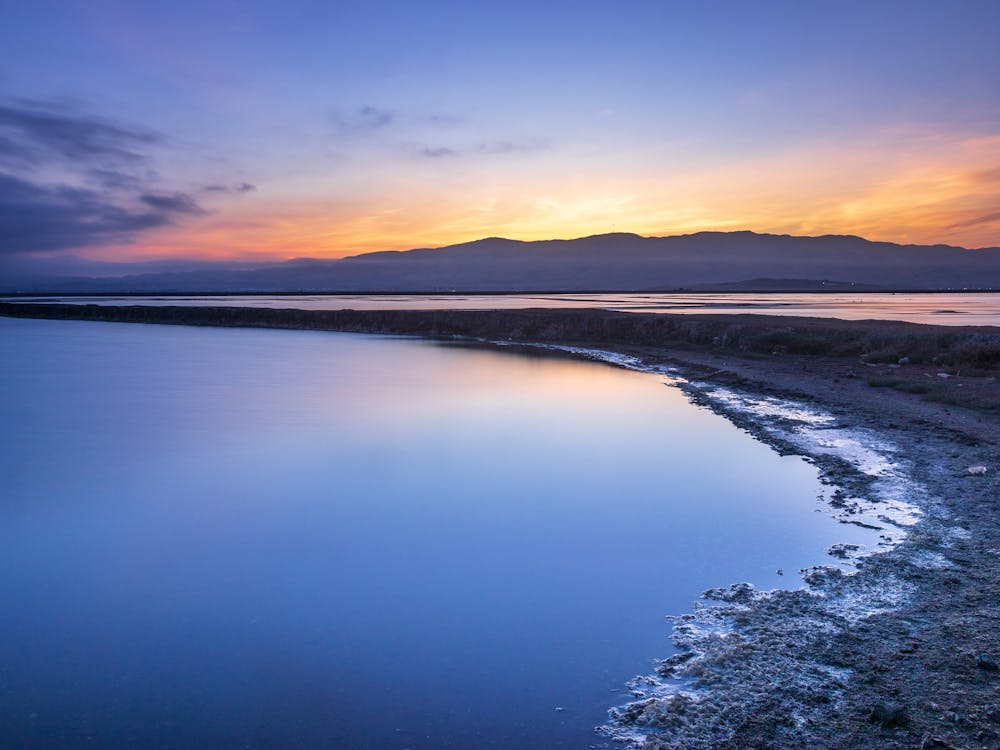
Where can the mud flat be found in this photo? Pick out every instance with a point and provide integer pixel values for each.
(894, 647)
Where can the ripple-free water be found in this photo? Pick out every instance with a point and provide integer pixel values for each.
(939, 308)
(275, 539)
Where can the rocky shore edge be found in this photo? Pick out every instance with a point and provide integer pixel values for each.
(904, 652)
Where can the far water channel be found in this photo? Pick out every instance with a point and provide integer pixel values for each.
(215, 538)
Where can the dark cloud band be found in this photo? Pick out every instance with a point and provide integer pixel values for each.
(106, 189)
(37, 218)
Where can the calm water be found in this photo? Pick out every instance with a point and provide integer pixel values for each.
(939, 308)
(218, 538)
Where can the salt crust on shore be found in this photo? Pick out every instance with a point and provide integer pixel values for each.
(739, 646)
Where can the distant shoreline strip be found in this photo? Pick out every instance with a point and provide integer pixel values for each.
(977, 346)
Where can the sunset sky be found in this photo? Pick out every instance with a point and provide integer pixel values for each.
(269, 130)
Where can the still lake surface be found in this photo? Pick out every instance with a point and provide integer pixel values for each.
(939, 308)
(273, 539)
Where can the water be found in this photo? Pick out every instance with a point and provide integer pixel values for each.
(940, 308)
(273, 539)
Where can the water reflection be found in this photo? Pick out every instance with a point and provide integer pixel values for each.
(238, 538)
(964, 309)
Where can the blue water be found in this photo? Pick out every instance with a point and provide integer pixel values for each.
(217, 538)
(938, 308)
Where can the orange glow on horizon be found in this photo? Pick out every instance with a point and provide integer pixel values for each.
(906, 187)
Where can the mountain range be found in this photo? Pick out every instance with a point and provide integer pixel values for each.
(608, 262)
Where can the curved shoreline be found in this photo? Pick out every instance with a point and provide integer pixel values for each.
(808, 668)
(740, 645)
(747, 656)
(788, 669)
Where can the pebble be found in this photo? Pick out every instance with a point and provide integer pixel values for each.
(935, 742)
(987, 663)
(889, 715)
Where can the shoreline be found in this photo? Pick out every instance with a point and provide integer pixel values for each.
(885, 656)
(790, 668)
(844, 289)
(750, 670)
(899, 639)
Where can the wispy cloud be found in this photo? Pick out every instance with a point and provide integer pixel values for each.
(985, 176)
(438, 152)
(70, 179)
(441, 120)
(117, 180)
(33, 131)
(493, 148)
(415, 133)
(243, 187)
(37, 217)
(991, 218)
(175, 203)
(510, 147)
(369, 119)
(363, 120)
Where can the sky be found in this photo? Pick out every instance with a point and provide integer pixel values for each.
(247, 131)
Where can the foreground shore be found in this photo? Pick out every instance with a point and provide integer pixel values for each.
(911, 639)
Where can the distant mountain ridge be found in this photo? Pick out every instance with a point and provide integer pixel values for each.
(607, 262)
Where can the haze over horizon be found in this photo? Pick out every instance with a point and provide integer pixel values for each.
(257, 131)
(604, 262)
